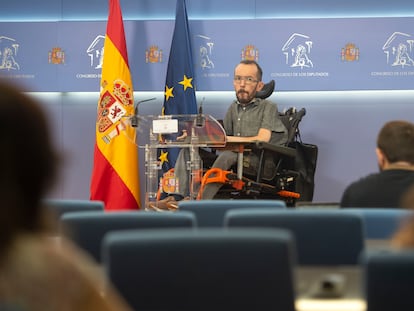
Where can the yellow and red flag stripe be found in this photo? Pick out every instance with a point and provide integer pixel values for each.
(115, 175)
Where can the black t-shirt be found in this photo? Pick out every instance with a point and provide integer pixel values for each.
(383, 189)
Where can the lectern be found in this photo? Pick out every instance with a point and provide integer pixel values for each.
(175, 131)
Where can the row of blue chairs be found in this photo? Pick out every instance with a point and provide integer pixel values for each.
(184, 257)
(318, 230)
(379, 223)
(322, 238)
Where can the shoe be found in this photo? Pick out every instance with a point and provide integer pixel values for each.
(164, 205)
(174, 204)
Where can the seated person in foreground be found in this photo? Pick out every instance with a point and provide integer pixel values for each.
(395, 154)
(36, 272)
(248, 119)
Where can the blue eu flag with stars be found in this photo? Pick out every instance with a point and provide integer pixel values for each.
(179, 85)
(179, 95)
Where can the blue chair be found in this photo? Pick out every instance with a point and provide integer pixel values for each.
(61, 206)
(87, 229)
(203, 269)
(389, 280)
(210, 213)
(323, 237)
(380, 223)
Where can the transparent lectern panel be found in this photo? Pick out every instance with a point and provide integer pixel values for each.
(174, 131)
(178, 130)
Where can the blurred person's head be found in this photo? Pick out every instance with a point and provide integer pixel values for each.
(395, 145)
(28, 163)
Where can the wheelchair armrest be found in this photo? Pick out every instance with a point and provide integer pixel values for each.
(282, 150)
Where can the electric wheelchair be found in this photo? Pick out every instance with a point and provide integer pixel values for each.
(282, 172)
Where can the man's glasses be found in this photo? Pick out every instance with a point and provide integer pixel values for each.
(247, 80)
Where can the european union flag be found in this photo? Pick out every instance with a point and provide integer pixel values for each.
(179, 84)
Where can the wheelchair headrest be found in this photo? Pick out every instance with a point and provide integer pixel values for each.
(267, 90)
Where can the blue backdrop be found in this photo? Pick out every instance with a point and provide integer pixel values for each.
(301, 54)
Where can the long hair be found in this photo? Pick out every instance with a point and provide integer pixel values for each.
(28, 164)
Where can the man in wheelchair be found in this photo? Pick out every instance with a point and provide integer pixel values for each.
(272, 162)
(249, 119)
(253, 122)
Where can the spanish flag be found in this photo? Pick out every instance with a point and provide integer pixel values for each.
(115, 175)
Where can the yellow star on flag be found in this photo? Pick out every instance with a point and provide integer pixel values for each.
(163, 157)
(168, 92)
(186, 82)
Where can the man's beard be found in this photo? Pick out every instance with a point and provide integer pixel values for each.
(244, 100)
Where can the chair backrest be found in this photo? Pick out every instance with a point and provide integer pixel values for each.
(380, 223)
(87, 229)
(389, 280)
(323, 238)
(210, 213)
(203, 269)
(61, 206)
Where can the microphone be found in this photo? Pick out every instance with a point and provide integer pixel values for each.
(134, 118)
(200, 119)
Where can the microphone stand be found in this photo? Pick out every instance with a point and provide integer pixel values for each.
(134, 118)
(200, 119)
